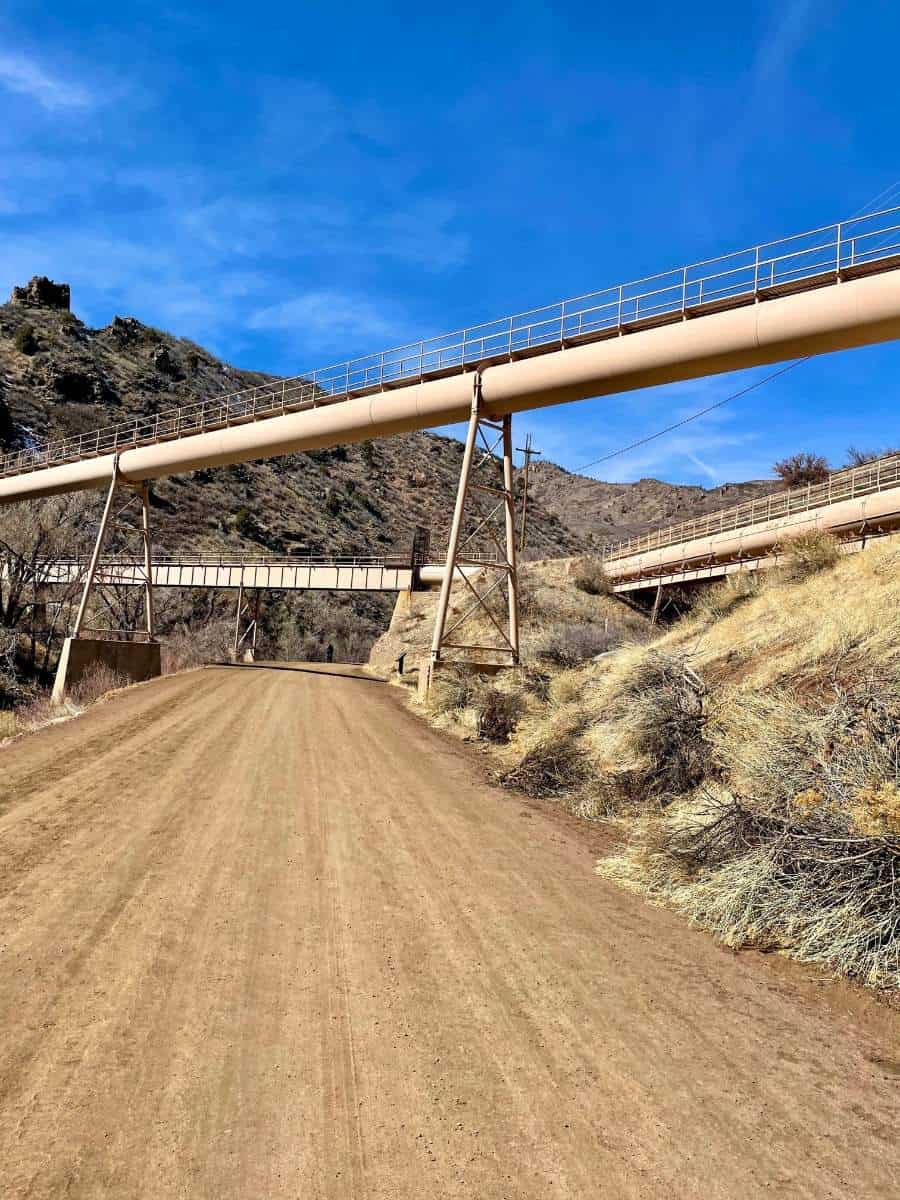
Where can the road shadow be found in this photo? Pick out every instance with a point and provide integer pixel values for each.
(335, 671)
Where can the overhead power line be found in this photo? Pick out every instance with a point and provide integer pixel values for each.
(694, 416)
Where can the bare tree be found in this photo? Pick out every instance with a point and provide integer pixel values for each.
(33, 535)
(859, 458)
(800, 469)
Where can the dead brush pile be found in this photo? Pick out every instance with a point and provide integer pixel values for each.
(498, 711)
(801, 849)
(645, 734)
(550, 760)
(664, 710)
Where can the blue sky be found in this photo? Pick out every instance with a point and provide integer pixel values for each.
(293, 184)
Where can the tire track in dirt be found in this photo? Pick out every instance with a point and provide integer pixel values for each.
(271, 936)
(40, 824)
(151, 842)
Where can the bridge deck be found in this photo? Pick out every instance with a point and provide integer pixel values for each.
(349, 574)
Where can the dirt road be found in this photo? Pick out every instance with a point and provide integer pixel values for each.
(263, 934)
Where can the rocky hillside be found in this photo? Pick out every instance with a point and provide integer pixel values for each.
(598, 512)
(57, 376)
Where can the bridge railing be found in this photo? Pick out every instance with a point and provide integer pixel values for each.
(259, 562)
(810, 259)
(876, 476)
(212, 560)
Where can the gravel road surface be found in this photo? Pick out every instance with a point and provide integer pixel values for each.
(263, 934)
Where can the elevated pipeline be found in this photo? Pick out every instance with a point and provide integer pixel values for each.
(877, 511)
(840, 316)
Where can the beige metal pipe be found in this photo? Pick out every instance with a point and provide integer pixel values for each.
(877, 509)
(433, 574)
(838, 317)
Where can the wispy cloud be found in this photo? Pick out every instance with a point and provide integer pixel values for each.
(423, 233)
(715, 458)
(233, 255)
(419, 233)
(717, 448)
(26, 77)
(775, 52)
(330, 319)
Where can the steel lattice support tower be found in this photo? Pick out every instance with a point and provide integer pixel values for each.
(484, 509)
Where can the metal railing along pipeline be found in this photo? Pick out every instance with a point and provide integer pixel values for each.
(876, 476)
(810, 259)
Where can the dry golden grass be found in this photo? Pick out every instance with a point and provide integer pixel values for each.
(794, 840)
(792, 627)
(753, 750)
(38, 712)
(98, 681)
(807, 886)
(808, 553)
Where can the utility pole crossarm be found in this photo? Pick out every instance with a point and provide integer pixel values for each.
(529, 451)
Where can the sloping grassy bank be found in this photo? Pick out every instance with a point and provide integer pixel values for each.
(751, 753)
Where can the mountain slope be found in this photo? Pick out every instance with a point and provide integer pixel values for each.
(599, 512)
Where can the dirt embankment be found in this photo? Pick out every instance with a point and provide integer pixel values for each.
(750, 751)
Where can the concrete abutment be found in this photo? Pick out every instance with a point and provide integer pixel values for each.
(136, 661)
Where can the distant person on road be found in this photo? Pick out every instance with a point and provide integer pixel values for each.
(329, 653)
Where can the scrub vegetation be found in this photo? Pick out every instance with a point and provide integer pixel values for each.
(750, 753)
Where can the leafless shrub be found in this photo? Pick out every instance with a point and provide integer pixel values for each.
(803, 850)
(859, 458)
(186, 647)
(536, 683)
(96, 681)
(12, 688)
(498, 713)
(553, 765)
(663, 706)
(33, 534)
(591, 578)
(648, 740)
(800, 469)
(808, 553)
(809, 885)
(568, 644)
(606, 794)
